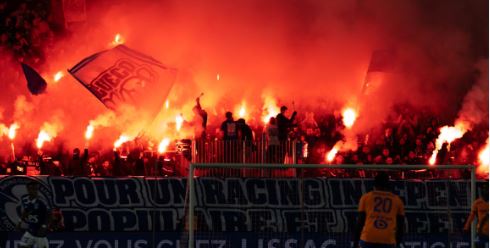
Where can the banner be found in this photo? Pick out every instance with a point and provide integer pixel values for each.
(122, 76)
(282, 209)
(222, 240)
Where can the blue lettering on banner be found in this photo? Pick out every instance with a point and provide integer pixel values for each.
(237, 207)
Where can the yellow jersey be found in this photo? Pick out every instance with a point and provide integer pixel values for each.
(480, 209)
(381, 208)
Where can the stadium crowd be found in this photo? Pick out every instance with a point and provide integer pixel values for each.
(407, 137)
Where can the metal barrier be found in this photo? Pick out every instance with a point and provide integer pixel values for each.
(236, 151)
(243, 152)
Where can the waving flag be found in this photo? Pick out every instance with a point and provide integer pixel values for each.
(382, 61)
(120, 76)
(35, 83)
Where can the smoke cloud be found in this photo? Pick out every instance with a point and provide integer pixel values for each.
(292, 51)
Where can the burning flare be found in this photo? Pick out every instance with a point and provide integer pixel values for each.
(349, 116)
(89, 132)
(42, 137)
(118, 40)
(58, 76)
(270, 109)
(167, 104)
(12, 131)
(242, 112)
(162, 147)
(432, 159)
(179, 120)
(122, 139)
(9, 131)
(484, 160)
(332, 153)
(448, 134)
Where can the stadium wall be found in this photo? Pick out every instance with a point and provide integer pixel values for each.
(241, 212)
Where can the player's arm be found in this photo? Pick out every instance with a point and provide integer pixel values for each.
(482, 224)
(471, 217)
(361, 219)
(47, 220)
(400, 222)
(23, 216)
(400, 228)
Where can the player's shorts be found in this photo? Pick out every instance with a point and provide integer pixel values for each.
(29, 240)
(363, 244)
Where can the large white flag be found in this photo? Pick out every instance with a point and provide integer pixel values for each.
(122, 76)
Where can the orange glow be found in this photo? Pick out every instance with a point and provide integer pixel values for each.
(217, 76)
(3, 129)
(162, 147)
(118, 40)
(332, 153)
(242, 110)
(349, 116)
(122, 139)
(484, 160)
(167, 104)
(12, 131)
(42, 137)
(179, 120)
(270, 109)
(89, 132)
(448, 134)
(58, 76)
(432, 159)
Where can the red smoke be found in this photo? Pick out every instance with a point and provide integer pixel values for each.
(284, 50)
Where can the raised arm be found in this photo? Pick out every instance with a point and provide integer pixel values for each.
(46, 222)
(23, 216)
(400, 222)
(361, 219)
(198, 104)
(469, 221)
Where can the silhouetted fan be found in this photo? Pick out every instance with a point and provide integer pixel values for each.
(35, 83)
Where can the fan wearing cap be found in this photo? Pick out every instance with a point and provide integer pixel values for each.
(381, 217)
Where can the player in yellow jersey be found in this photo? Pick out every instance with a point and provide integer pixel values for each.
(479, 209)
(381, 217)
